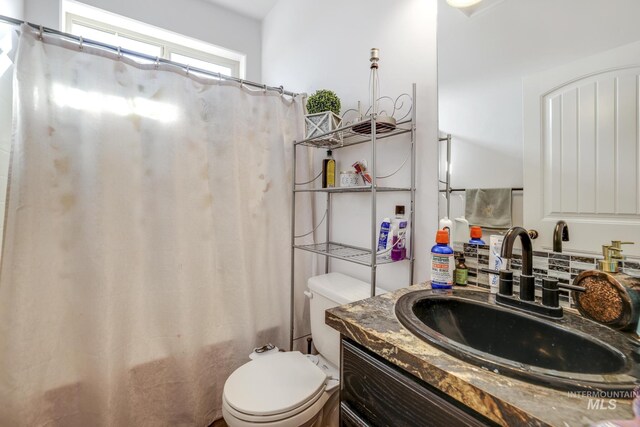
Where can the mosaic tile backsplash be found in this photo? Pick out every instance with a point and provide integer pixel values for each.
(564, 267)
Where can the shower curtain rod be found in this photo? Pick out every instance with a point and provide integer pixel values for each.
(124, 51)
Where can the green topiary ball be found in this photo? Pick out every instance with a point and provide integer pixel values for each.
(323, 100)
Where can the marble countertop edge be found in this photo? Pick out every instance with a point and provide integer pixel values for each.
(504, 400)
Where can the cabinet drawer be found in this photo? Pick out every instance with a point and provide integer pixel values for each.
(348, 418)
(383, 395)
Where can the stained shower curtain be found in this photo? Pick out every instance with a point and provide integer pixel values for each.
(146, 247)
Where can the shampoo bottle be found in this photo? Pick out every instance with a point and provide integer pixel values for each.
(446, 224)
(442, 262)
(328, 171)
(384, 236)
(461, 230)
(399, 250)
(476, 234)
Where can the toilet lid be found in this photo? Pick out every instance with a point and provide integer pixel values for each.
(274, 384)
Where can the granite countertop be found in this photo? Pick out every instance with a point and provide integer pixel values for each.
(507, 401)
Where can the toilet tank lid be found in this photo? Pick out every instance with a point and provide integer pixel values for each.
(341, 288)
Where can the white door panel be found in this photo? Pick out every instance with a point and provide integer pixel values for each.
(581, 149)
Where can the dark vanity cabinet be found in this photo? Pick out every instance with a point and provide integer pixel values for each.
(373, 392)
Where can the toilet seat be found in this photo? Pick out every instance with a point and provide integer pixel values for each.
(308, 410)
(274, 387)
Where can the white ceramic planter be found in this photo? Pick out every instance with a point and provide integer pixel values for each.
(321, 123)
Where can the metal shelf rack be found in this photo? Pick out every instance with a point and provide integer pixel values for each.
(350, 134)
(366, 189)
(350, 137)
(344, 252)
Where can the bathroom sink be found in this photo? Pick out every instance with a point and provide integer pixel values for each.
(571, 353)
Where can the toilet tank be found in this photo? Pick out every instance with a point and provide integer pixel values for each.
(327, 291)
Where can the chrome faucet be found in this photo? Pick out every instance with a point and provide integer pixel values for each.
(560, 234)
(527, 281)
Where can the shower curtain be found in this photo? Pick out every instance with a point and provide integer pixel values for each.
(146, 248)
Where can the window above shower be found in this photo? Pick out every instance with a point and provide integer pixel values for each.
(96, 24)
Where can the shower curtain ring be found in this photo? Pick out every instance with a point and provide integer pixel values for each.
(81, 43)
(157, 64)
(40, 34)
(241, 83)
(187, 69)
(264, 88)
(281, 90)
(119, 52)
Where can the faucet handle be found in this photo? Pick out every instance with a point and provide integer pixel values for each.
(550, 291)
(550, 294)
(505, 284)
(572, 287)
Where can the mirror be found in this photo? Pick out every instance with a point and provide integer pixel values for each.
(588, 172)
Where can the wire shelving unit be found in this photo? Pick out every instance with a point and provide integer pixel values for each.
(352, 133)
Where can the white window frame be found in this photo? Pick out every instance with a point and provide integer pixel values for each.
(78, 13)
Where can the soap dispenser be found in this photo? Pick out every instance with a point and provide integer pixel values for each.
(611, 298)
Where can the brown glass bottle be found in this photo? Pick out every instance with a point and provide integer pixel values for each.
(461, 274)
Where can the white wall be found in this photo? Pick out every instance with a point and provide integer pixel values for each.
(8, 40)
(481, 63)
(310, 45)
(194, 18)
(12, 8)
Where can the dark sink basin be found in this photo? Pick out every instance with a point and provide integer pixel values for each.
(571, 353)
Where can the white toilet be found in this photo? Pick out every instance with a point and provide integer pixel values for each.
(289, 389)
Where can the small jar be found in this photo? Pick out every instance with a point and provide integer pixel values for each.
(349, 179)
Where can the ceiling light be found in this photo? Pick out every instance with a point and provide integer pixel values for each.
(462, 3)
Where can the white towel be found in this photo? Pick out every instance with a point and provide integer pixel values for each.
(488, 207)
